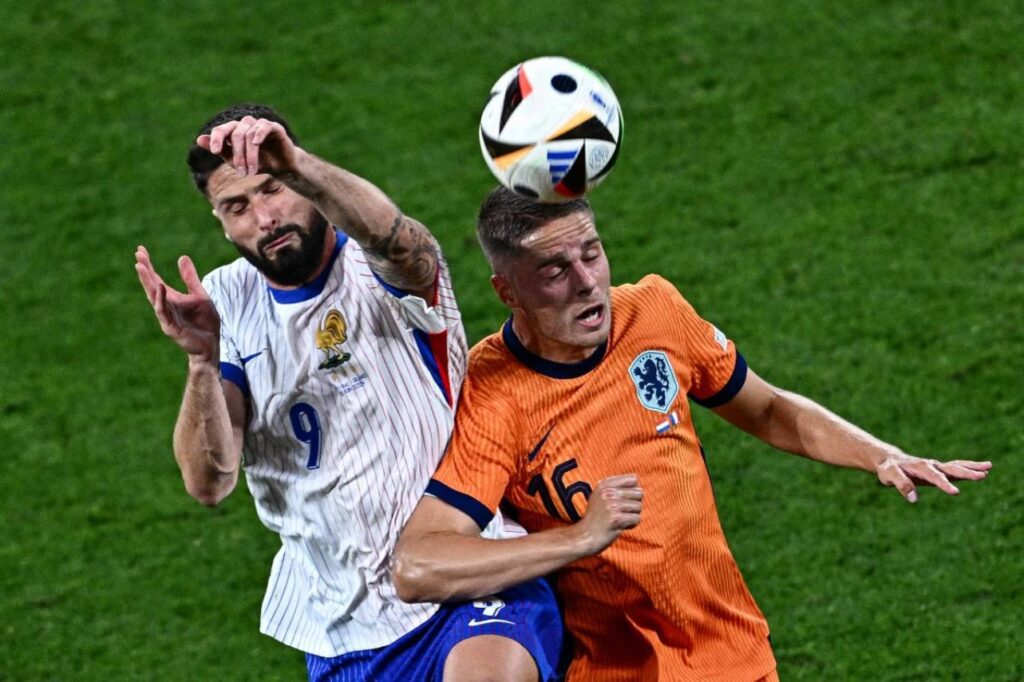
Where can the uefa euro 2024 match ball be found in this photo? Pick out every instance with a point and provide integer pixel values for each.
(551, 129)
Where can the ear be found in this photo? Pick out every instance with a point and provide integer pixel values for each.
(503, 288)
(217, 216)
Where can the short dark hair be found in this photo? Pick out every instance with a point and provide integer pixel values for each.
(505, 218)
(202, 163)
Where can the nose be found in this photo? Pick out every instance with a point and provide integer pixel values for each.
(585, 279)
(266, 218)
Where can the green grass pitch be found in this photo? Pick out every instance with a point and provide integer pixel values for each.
(837, 185)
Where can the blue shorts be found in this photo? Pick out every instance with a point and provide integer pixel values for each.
(527, 614)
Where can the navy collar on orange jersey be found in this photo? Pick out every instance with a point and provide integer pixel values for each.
(555, 370)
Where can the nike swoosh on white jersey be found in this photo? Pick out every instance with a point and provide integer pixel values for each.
(248, 358)
(473, 622)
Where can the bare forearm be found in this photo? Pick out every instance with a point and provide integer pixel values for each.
(448, 566)
(204, 443)
(801, 426)
(400, 249)
(344, 198)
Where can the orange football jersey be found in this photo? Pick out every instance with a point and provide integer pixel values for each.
(666, 600)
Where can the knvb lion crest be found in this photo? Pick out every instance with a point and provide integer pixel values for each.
(332, 333)
(656, 384)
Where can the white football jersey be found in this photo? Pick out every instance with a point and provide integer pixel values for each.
(351, 387)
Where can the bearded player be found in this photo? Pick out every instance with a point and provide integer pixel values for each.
(327, 362)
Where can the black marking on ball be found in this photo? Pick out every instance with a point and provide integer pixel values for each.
(575, 179)
(513, 98)
(591, 129)
(563, 83)
(497, 148)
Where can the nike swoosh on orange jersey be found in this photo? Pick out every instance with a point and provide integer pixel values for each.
(539, 445)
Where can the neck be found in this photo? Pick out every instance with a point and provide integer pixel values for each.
(546, 348)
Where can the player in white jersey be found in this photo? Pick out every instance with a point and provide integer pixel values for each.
(326, 363)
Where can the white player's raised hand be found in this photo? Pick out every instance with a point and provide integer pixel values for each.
(188, 318)
(251, 146)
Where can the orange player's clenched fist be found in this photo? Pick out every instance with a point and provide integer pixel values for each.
(613, 507)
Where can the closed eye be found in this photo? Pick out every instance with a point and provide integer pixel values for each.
(553, 273)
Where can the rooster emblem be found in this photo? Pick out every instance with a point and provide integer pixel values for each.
(330, 336)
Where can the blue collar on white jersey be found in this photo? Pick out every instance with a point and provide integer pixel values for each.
(311, 289)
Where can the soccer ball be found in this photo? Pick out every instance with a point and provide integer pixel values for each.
(551, 129)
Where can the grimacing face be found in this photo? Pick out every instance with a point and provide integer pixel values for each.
(557, 289)
(273, 227)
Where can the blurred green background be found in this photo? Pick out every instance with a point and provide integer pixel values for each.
(837, 185)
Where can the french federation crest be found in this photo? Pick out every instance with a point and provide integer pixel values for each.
(656, 384)
(332, 333)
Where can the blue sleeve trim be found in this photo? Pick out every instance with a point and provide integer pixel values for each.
(731, 388)
(235, 375)
(469, 506)
(391, 289)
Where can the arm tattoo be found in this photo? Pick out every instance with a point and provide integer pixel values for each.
(406, 257)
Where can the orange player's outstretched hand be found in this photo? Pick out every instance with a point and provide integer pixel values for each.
(905, 472)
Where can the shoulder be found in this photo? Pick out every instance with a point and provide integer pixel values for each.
(490, 363)
(652, 294)
(491, 400)
(236, 274)
(652, 287)
(494, 378)
(231, 285)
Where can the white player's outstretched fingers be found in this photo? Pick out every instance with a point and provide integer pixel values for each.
(265, 129)
(144, 277)
(190, 277)
(238, 150)
(252, 149)
(148, 277)
(218, 136)
(168, 322)
(150, 291)
(276, 150)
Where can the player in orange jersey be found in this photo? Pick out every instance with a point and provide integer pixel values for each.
(575, 404)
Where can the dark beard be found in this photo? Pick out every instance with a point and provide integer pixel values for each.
(292, 265)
